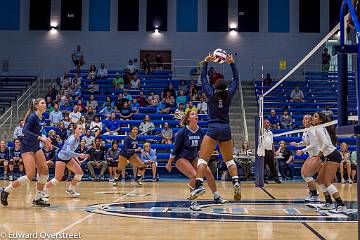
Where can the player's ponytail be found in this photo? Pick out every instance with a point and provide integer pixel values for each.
(185, 119)
(32, 108)
(221, 90)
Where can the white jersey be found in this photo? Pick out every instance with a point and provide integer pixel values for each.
(324, 141)
(311, 142)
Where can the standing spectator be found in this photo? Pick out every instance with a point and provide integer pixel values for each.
(286, 160)
(345, 163)
(135, 82)
(146, 126)
(118, 82)
(268, 144)
(125, 112)
(131, 68)
(56, 116)
(75, 115)
(102, 72)
(286, 120)
(274, 119)
(162, 108)
(353, 166)
(112, 157)
(89, 115)
(325, 60)
(142, 99)
(92, 102)
(267, 80)
(148, 156)
(166, 134)
(92, 73)
(78, 58)
(96, 126)
(190, 108)
(296, 95)
(181, 98)
(18, 134)
(327, 112)
(159, 61)
(135, 106)
(97, 159)
(147, 64)
(202, 106)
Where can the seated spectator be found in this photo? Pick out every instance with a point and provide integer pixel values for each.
(297, 95)
(66, 121)
(246, 163)
(148, 156)
(49, 104)
(75, 115)
(107, 100)
(194, 95)
(195, 71)
(183, 87)
(88, 138)
(146, 127)
(112, 126)
(78, 58)
(162, 108)
(66, 106)
(192, 88)
(286, 120)
(119, 102)
(56, 116)
(82, 149)
(153, 99)
(286, 160)
(328, 112)
(345, 163)
(93, 87)
(130, 67)
(166, 134)
(96, 126)
(102, 72)
(51, 93)
(55, 139)
(18, 134)
(81, 106)
(112, 157)
(92, 102)
(57, 85)
(202, 106)
(274, 119)
(65, 79)
(181, 98)
(169, 88)
(49, 156)
(4, 158)
(127, 95)
(159, 61)
(126, 112)
(180, 112)
(70, 130)
(15, 154)
(62, 131)
(82, 122)
(135, 82)
(190, 108)
(142, 99)
(89, 115)
(92, 73)
(169, 100)
(118, 82)
(61, 97)
(107, 110)
(353, 166)
(267, 80)
(76, 79)
(97, 159)
(135, 106)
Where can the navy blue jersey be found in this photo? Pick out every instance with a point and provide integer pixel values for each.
(5, 154)
(84, 150)
(187, 143)
(130, 145)
(31, 131)
(218, 110)
(49, 154)
(15, 153)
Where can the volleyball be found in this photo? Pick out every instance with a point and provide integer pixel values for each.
(220, 55)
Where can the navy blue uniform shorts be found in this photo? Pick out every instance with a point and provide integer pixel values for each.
(28, 148)
(219, 131)
(335, 156)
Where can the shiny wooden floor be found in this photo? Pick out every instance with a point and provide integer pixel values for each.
(68, 215)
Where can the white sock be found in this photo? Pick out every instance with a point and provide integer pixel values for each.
(216, 194)
(234, 177)
(201, 179)
(71, 187)
(38, 194)
(9, 188)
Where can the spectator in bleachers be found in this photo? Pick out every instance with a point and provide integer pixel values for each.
(61, 96)
(192, 88)
(345, 163)
(296, 95)
(286, 120)
(147, 64)
(75, 115)
(159, 61)
(286, 160)
(96, 126)
(162, 108)
(127, 95)
(194, 95)
(182, 87)
(70, 130)
(325, 60)
(81, 106)
(119, 102)
(92, 102)
(135, 82)
(181, 98)
(142, 99)
(268, 144)
(88, 138)
(353, 166)
(190, 108)
(102, 72)
(68, 92)
(246, 165)
(92, 73)
(66, 120)
(49, 156)
(97, 159)
(18, 134)
(202, 105)
(195, 71)
(76, 82)
(83, 149)
(328, 112)
(62, 131)
(49, 104)
(56, 116)
(107, 110)
(89, 115)
(169, 88)
(107, 100)
(126, 112)
(78, 58)
(51, 93)
(16, 156)
(82, 122)
(75, 89)
(146, 127)
(93, 87)
(135, 106)
(66, 107)
(267, 80)
(118, 81)
(112, 157)
(169, 100)
(57, 85)
(65, 79)
(76, 79)
(180, 112)
(4, 158)
(148, 156)
(130, 67)
(166, 134)
(112, 126)
(153, 99)
(55, 139)
(274, 119)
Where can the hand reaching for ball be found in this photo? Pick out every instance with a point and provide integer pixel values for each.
(210, 58)
(229, 59)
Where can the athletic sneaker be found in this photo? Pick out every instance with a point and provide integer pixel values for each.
(237, 192)
(196, 193)
(111, 179)
(45, 194)
(4, 197)
(40, 203)
(194, 206)
(220, 200)
(339, 209)
(312, 198)
(350, 181)
(342, 180)
(11, 178)
(123, 181)
(139, 182)
(327, 206)
(5, 177)
(72, 193)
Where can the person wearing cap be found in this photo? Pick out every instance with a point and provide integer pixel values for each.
(118, 81)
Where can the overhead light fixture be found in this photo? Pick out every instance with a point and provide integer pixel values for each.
(232, 29)
(156, 31)
(54, 27)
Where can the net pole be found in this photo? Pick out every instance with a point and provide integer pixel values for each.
(259, 160)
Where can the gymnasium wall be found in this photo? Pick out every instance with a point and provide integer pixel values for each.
(55, 47)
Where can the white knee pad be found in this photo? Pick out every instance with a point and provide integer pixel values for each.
(54, 181)
(201, 161)
(42, 179)
(230, 163)
(332, 189)
(78, 177)
(308, 179)
(24, 180)
(322, 188)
